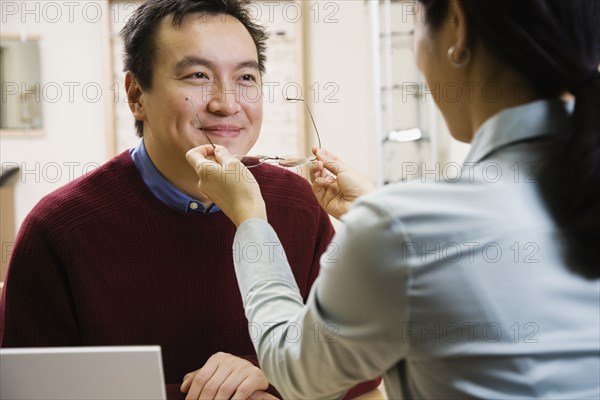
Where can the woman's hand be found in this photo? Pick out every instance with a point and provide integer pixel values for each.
(227, 183)
(336, 185)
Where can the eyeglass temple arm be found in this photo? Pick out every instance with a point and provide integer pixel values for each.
(199, 122)
(309, 114)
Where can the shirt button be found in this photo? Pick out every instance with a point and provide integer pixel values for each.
(194, 205)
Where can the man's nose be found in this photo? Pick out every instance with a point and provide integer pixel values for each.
(224, 99)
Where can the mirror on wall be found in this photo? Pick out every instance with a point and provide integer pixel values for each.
(20, 78)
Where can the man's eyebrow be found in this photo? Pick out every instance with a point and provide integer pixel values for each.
(191, 61)
(249, 64)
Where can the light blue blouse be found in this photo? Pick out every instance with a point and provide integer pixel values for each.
(448, 288)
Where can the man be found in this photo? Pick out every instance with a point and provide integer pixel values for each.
(134, 253)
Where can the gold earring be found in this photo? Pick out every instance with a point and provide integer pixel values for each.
(455, 64)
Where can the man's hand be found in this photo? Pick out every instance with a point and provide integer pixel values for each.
(225, 376)
(228, 183)
(336, 185)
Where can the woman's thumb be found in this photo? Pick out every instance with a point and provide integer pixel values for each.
(223, 156)
(194, 158)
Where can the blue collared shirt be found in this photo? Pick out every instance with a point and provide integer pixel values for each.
(162, 188)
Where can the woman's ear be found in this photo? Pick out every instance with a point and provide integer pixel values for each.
(134, 97)
(457, 22)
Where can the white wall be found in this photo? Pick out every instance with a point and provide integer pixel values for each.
(339, 63)
(71, 43)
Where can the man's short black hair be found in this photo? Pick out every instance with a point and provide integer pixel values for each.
(140, 31)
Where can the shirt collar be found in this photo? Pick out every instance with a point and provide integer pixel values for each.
(162, 188)
(517, 124)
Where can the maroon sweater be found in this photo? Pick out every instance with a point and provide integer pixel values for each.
(101, 261)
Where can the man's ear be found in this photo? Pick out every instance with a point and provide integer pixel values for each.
(134, 97)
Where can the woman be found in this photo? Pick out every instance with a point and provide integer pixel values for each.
(486, 286)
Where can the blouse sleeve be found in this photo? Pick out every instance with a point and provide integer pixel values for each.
(350, 329)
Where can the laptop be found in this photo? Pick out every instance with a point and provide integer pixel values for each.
(107, 373)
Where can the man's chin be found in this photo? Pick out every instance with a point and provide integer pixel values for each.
(232, 149)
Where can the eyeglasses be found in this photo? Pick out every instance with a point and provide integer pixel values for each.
(199, 122)
(256, 160)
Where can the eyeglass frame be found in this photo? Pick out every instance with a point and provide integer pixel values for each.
(262, 158)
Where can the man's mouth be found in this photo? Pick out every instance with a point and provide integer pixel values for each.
(222, 130)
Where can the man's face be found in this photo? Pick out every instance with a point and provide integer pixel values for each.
(212, 60)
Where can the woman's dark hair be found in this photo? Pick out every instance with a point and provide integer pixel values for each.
(139, 33)
(555, 45)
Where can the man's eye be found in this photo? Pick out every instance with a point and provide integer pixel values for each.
(248, 78)
(199, 75)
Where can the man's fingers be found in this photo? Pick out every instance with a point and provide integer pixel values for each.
(199, 380)
(262, 395)
(229, 386)
(187, 381)
(224, 376)
(215, 384)
(252, 382)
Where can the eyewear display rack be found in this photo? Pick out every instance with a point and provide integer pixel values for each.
(406, 118)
